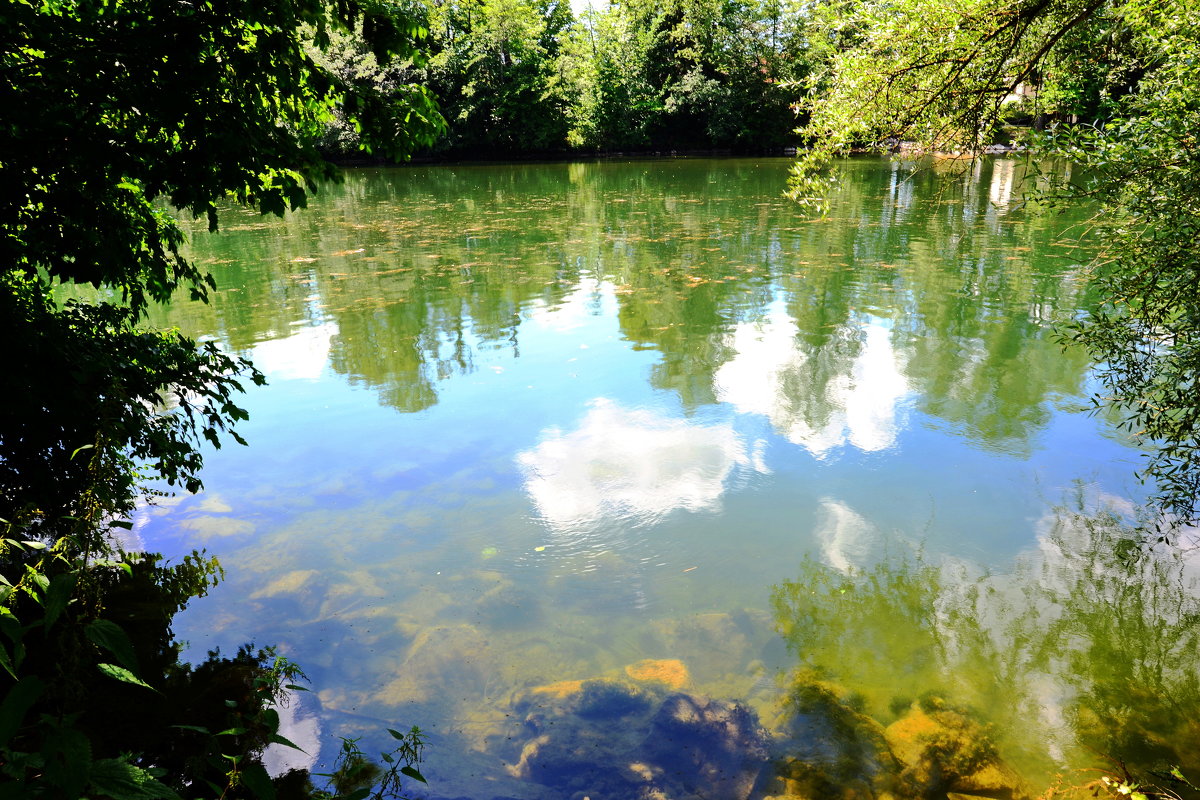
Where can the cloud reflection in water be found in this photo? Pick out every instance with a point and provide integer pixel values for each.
(777, 376)
(846, 539)
(635, 465)
(302, 355)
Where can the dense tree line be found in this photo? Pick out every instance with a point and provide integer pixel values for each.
(530, 77)
(527, 76)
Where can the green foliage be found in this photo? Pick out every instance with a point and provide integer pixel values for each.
(498, 78)
(1092, 67)
(689, 74)
(619, 97)
(939, 75)
(115, 110)
(1144, 171)
(1092, 618)
(80, 418)
(349, 57)
(936, 74)
(112, 106)
(521, 76)
(97, 703)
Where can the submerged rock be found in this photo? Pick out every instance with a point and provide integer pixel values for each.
(707, 747)
(670, 672)
(942, 751)
(608, 700)
(509, 607)
(723, 643)
(441, 659)
(616, 739)
(826, 747)
(612, 739)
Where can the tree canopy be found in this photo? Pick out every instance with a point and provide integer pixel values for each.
(527, 76)
(1121, 77)
(117, 112)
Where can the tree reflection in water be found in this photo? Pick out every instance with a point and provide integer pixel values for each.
(1084, 658)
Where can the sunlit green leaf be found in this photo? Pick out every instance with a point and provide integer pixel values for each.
(278, 739)
(413, 773)
(120, 780)
(121, 674)
(58, 595)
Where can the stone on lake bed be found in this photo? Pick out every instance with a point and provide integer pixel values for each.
(288, 583)
(716, 644)
(558, 690)
(942, 750)
(671, 672)
(826, 747)
(617, 737)
(440, 657)
(609, 738)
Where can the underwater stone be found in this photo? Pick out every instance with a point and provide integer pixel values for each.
(509, 607)
(608, 699)
(827, 747)
(943, 750)
(710, 748)
(611, 740)
(671, 672)
(440, 657)
(723, 643)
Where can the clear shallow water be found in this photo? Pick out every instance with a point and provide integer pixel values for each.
(535, 423)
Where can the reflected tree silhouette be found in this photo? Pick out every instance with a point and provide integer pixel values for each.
(420, 268)
(1086, 655)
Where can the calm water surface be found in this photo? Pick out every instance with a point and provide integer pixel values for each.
(530, 424)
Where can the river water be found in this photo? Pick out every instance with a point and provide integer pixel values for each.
(649, 421)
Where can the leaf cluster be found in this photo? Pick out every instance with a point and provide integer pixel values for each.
(115, 112)
(113, 107)
(939, 77)
(935, 76)
(1144, 171)
(525, 76)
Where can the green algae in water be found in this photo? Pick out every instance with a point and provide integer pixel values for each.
(1090, 646)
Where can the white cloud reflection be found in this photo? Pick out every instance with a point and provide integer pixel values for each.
(631, 464)
(301, 356)
(299, 726)
(773, 375)
(846, 539)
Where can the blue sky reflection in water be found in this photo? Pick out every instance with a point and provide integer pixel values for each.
(534, 423)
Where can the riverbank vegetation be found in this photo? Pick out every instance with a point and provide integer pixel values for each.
(114, 110)
(943, 77)
(519, 77)
(529, 77)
